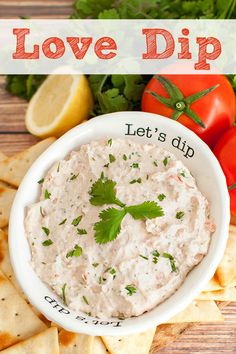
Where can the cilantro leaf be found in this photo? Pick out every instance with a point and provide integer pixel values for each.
(103, 192)
(75, 252)
(146, 210)
(111, 14)
(47, 242)
(109, 227)
(76, 221)
(24, 86)
(63, 291)
(130, 289)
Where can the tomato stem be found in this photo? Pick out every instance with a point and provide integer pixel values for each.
(178, 102)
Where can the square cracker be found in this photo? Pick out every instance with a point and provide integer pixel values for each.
(7, 196)
(17, 320)
(13, 169)
(199, 311)
(74, 343)
(137, 343)
(45, 342)
(226, 270)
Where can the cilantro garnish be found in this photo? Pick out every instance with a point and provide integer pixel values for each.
(47, 195)
(165, 161)
(135, 165)
(47, 242)
(146, 210)
(179, 215)
(124, 157)
(41, 181)
(63, 222)
(85, 300)
(172, 261)
(109, 142)
(155, 163)
(95, 265)
(144, 257)
(156, 256)
(112, 158)
(46, 230)
(103, 192)
(63, 290)
(182, 173)
(81, 231)
(75, 252)
(139, 180)
(130, 289)
(161, 197)
(73, 177)
(76, 221)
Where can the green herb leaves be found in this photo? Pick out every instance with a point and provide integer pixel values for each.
(76, 221)
(47, 243)
(63, 291)
(130, 289)
(172, 261)
(103, 192)
(75, 252)
(109, 227)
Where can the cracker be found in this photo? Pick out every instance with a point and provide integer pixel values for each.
(13, 169)
(45, 342)
(17, 320)
(227, 294)
(136, 343)
(226, 270)
(7, 196)
(99, 346)
(199, 311)
(73, 343)
(213, 285)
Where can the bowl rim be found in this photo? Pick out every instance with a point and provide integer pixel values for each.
(147, 323)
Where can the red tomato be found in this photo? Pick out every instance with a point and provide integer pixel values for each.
(217, 109)
(225, 151)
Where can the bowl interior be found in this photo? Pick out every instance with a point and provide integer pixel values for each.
(143, 127)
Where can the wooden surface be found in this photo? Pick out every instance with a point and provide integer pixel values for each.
(202, 339)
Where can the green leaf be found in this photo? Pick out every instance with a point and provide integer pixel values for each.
(24, 86)
(172, 261)
(146, 210)
(196, 96)
(112, 158)
(75, 252)
(46, 230)
(191, 114)
(111, 14)
(134, 87)
(109, 227)
(76, 221)
(179, 215)
(112, 101)
(131, 289)
(47, 243)
(47, 195)
(81, 232)
(103, 192)
(63, 291)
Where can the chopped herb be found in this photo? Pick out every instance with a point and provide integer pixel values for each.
(107, 165)
(144, 257)
(182, 173)
(47, 195)
(112, 271)
(81, 231)
(63, 290)
(161, 197)
(135, 165)
(101, 280)
(109, 142)
(41, 211)
(179, 215)
(46, 230)
(172, 261)
(75, 252)
(58, 167)
(124, 157)
(41, 181)
(88, 313)
(47, 242)
(139, 180)
(74, 177)
(112, 158)
(76, 221)
(155, 257)
(95, 265)
(130, 290)
(63, 222)
(155, 163)
(165, 161)
(85, 300)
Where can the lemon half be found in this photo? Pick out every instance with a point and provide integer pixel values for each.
(61, 102)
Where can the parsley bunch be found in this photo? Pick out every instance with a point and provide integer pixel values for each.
(107, 229)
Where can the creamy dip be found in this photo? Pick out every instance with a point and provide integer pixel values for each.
(148, 260)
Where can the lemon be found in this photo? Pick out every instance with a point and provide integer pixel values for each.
(61, 102)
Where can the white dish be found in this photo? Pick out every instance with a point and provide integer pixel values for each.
(144, 127)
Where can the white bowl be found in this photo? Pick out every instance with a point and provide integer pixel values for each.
(211, 182)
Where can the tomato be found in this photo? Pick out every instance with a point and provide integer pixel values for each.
(225, 151)
(216, 109)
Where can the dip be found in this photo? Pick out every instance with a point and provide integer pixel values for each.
(118, 263)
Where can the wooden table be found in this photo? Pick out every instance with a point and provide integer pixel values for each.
(204, 338)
